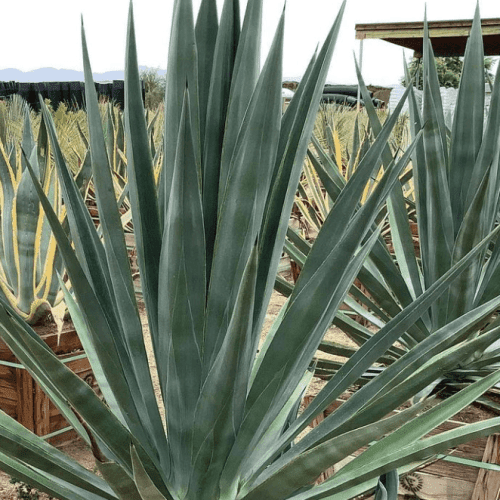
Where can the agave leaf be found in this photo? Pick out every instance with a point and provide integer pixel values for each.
(146, 488)
(298, 124)
(462, 293)
(242, 210)
(400, 230)
(45, 481)
(292, 352)
(48, 459)
(220, 86)
(285, 477)
(226, 386)
(97, 326)
(243, 82)
(142, 189)
(84, 336)
(26, 213)
(182, 300)
(408, 435)
(180, 70)
(206, 29)
(369, 353)
(123, 485)
(467, 132)
(8, 181)
(440, 229)
(124, 304)
(34, 354)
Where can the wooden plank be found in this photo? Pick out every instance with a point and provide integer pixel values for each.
(25, 389)
(41, 412)
(487, 486)
(429, 487)
(452, 470)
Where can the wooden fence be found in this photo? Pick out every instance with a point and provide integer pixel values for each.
(72, 93)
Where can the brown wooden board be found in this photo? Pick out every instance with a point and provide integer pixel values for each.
(23, 399)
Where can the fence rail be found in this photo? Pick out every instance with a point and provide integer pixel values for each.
(72, 93)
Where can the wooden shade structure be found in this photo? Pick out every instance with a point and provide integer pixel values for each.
(448, 37)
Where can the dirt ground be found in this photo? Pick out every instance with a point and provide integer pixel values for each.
(80, 452)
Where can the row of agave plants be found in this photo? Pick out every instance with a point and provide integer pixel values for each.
(210, 207)
(29, 258)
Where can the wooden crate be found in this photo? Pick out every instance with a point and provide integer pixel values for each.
(440, 479)
(22, 398)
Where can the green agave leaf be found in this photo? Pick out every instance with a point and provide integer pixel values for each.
(182, 301)
(297, 126)
(47, 482)
(431, 80)
(180, 71)
(280, 423)
(284, 477)
(220, 86)
(394, 394)
(133, 355)
(387, 487)
(247, 188)
(146, 488)
(96, 321)
(19, 443)
(412, 431)
(206, 29)
(488, 144)
(400, 230)
(119, 480)
(35, 355)
(395, 457)
(346, 204)
(226, 386)
(462, 293)
(440, 229)
(291, 350)
(369, 352)
(406, 278)
(85, 338)
(243, 83)
(142, 188)
(467, 131)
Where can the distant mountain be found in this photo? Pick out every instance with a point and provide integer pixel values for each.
(60, 75)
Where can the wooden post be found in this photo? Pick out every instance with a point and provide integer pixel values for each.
(41, 412)
(25, 389)
(487, 486)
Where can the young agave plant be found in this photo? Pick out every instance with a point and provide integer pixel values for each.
(209, 241)
(29, 260)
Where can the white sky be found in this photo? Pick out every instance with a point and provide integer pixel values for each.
(47, 34)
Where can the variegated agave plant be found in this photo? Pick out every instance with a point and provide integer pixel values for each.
(29, 260)
(209, 241)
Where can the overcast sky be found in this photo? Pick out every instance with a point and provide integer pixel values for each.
(39, 34)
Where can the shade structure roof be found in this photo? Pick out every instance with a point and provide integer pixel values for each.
(448, 37)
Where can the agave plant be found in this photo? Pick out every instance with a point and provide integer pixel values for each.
(29, 260)
(209, 240)
(455, 175)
